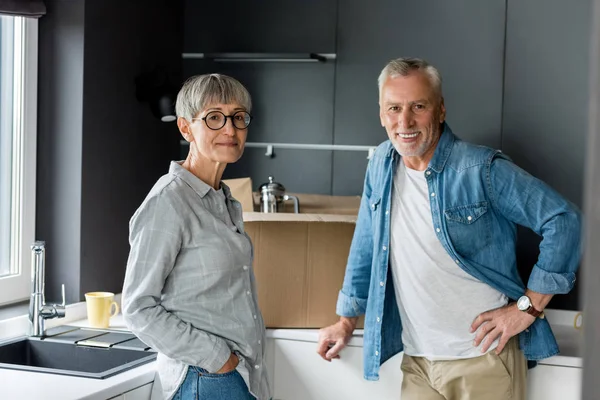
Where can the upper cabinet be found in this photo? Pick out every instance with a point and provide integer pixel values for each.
(284, 26)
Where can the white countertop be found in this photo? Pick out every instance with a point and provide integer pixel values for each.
(570, 340)
(20, 385)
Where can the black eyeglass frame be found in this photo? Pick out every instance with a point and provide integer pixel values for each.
(225, 119)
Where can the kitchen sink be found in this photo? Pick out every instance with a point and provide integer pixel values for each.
(77, 352)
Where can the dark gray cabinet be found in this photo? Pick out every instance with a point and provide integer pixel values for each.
(283, 26)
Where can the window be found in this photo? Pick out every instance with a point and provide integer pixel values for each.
(18, 118)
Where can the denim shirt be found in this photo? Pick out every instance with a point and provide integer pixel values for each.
(477, 197)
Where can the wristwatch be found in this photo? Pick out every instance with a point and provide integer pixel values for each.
(524, 304)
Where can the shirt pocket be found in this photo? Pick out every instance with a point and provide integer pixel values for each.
(468, 227)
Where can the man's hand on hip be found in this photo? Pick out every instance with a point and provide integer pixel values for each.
(334, 338)
(504, 323)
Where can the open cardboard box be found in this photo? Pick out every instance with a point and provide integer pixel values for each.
(300, 259)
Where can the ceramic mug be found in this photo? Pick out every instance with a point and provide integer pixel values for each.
(99, 307)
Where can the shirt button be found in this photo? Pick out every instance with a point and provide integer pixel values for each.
(259, 342)
(378, 319)
(386, 212)
(381, 283)
(256, 366)
(254, 316)
(245, 267)
(376, 353)
(437, 230)
(432, 194)
(456, 261)
(248, 293)
(384, 248)
(469, 218)
(428, 172)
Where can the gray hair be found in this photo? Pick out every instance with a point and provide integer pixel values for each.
(201, 91)
(404, 66)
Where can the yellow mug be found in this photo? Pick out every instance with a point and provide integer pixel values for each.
(99, 305)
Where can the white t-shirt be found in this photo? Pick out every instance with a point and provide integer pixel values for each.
(438, 301)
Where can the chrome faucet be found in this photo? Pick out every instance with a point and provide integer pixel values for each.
(39, 311)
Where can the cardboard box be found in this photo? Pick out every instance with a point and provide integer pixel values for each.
(300, 260)
(241, 189)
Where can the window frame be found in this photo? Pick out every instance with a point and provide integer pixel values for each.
(17, 286)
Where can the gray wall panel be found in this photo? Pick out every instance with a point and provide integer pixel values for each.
(546, 90)
(126, 149)
(545, 103)
(349, 169)
(591, 294)
(59, 145)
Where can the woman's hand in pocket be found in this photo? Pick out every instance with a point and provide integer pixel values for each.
(230, 365)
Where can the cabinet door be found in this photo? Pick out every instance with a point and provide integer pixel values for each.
(548, 382)
(300, 374)
(271, 26)
(141, 393)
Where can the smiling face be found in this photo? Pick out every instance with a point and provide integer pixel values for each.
(224, 145)
(411, 111)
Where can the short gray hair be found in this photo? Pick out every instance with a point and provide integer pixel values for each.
(404, 66)
(200, 91)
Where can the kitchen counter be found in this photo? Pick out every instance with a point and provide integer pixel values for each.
(570, 340)
(19, 385)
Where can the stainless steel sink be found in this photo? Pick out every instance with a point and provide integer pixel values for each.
(77, 352)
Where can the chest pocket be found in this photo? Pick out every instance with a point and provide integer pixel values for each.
(469, 228)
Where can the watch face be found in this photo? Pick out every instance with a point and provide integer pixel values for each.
(523, 303)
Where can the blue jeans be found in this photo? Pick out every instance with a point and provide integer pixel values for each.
(201, 385)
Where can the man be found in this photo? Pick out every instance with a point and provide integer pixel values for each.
(432, 262)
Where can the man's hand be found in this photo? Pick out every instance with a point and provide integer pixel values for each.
(229, 365)
(335, 336)
(504, 322)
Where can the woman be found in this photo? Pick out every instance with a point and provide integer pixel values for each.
(189, 289)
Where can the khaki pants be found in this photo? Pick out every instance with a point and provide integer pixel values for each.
(488, 377)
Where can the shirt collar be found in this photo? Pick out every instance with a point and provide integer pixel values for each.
(199, 186)
(443, 149)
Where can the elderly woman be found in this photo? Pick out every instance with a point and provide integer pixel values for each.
(189, 289)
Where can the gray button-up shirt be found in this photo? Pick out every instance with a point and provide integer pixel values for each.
(189, 289)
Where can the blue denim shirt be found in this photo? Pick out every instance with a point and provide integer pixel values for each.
(477, 197)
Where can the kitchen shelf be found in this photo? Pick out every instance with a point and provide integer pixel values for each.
(270, 147)
(262, 57)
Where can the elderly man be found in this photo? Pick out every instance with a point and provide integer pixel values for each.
(433, 262)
